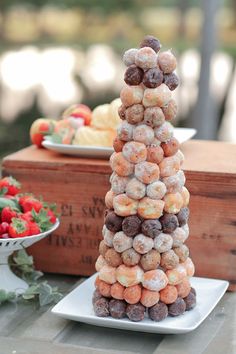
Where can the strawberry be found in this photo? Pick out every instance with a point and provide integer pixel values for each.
(10, 184)
(34, 228)
(26, 216)
(19, 228)
(8, 213)
(4, 235)
(51, 215)
(28, 202)
(4, 226)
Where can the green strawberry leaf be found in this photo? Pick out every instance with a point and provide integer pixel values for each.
(25, 194)
(12, 203)
(14, 182)
(3, 191)
(42, 219)
(19, 225)
(51, 206)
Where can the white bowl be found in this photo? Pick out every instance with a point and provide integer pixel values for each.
(8, 280)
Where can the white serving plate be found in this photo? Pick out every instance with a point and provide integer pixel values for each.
(182, 134)
(77, 306)
(96, 152)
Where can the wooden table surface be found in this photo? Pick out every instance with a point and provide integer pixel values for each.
(27, 329)
(213, 157)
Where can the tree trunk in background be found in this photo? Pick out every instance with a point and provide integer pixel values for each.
(233, 3)
(183, 6)
(204, 117)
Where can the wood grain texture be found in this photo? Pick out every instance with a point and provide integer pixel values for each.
(79, 185)
(212, 157)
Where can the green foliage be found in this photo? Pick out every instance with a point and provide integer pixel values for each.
(23, 265)
(6, 296)
(42, 219)
(51, 206)
(4, 202)
(106, 5)
(3, 191)
(43, 292)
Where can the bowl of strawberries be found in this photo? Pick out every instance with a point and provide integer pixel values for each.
(24, 220)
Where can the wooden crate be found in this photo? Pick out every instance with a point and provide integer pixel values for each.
(79, 185)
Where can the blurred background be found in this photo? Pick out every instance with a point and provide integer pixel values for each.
(55, 53)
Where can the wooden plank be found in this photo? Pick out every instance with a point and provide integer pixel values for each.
(209, 157)
(109, 339)
(32, 158)
(16, 318)
(74, 246)
(200, 156)
(212, 225)
(45, 327)
(42, 324)
(216, 329)
(19, 346)
(13, 315)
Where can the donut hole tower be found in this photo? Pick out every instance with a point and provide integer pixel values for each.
(144, 265)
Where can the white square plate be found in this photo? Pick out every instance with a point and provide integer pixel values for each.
(182, 134)
(78, 306)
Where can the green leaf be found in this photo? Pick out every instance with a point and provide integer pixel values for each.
(31, 292)
(42, 219)
(45, 294)
(3, 191)
(14, 182)
(22, 258)
(51, 206)
(28, 296)
(5, 202)
(6, 296)
(57, 297)
(32, 276)
(33, 289)
(23, 266)
(3, 296)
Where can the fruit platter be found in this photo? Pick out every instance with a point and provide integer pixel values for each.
(25, 220)
(78, 125)
(85, 133)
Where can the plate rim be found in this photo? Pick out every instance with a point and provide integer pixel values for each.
(90, 148)
(101, 321)
(69, 147)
